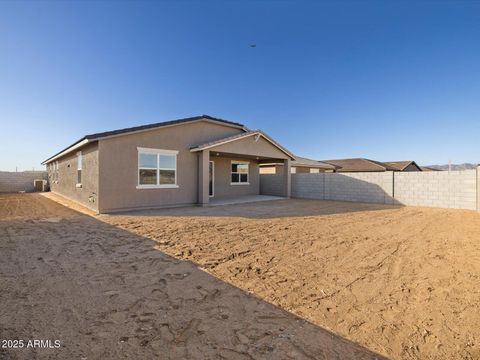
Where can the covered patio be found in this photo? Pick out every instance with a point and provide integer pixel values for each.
(229, 168)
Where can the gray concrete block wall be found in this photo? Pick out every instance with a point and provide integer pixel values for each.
(310, 186)
(444, 189)
(455, 189)
(271, 184)
(374, 187)
(361, 187)
(20, 181)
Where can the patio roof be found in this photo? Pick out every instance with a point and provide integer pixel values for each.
(230, 139)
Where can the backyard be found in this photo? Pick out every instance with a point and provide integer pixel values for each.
(278, 279)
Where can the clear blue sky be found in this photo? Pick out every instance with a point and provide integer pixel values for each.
(379, 79)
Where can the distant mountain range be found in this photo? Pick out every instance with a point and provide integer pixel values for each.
(465, 166)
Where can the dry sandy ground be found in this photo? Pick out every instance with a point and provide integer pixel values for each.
(401, 281)
(112, 293)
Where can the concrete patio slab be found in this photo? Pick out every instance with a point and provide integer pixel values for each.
(243, 199)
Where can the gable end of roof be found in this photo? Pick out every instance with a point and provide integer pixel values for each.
(239, 137)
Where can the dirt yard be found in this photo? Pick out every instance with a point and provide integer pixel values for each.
(108, 293)
(311, 279)
(401, 281)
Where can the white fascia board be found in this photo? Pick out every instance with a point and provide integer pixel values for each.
(66, 151)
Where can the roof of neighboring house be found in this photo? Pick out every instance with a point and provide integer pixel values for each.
(236, 137)
(402, 165)
(301, 161)
(93, 137)
(359, 165)
(426, 168)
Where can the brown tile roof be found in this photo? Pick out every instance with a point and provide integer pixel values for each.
(359, 164)
(93, 137)
(238, 137)
(426, 168)
(162, 124)
(301, 161)
(401, 165)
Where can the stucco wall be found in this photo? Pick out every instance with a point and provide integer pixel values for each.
(87, 195)
(223, 186)
(455, 189)
(267, 170)
(19, 181)
(119, 165)
(299, 169)
(302, 170)
(251, 146)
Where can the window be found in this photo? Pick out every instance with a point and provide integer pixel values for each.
(239, 173)
(79, 168)
(314, 171)
(293, 170)
(157, 168)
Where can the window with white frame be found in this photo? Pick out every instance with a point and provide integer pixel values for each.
(157, 168)
(314, 171)
(239, 172)
(79, 168)
(293, 170)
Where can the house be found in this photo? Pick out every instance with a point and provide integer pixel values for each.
(299, 165)
(408, 165)
(368, 165)
(426, 168)
(359, 165)
(180, 162)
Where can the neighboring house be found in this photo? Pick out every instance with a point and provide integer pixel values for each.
(426, 168)
(299, 165)
(408, 165)
(368, 165)
(360, 165)
(179, 162)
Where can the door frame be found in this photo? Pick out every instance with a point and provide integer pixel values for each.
(213, 179)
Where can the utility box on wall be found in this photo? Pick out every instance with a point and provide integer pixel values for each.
(39, 185)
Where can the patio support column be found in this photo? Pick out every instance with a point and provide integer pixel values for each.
(203, 159)
(287, 182)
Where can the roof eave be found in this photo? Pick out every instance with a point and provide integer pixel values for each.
(316, 166)
(258, 132)
(111, 134)
(80, 143)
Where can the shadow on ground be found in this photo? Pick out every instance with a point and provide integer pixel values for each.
(267, 209)
(107, 293)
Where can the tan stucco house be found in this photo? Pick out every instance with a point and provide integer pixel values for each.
(300, 165)
(173, 163)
